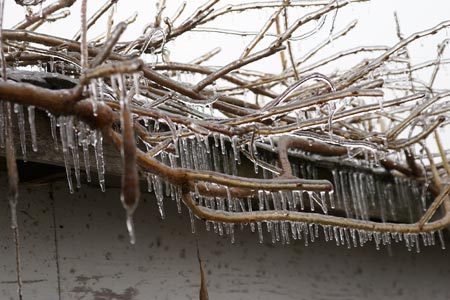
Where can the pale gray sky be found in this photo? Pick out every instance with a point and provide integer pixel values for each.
(375, 27)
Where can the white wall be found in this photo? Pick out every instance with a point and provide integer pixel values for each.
(97, 262)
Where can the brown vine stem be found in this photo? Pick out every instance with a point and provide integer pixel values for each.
(183, 176)
(304, 103)
(13, 191)
(235, 65)
(288, 42)
(261, 33)
(401, 144)
(84, 48)
(11, 165)
(109, 45)
(314, 218)
(261, 5)
(97, 15)
(434, 206)
(273, 48)
(394, 132)
(442, 152)
(36, 17)
(313, 123)
(326, 42)
(166, 109)
(358, 73)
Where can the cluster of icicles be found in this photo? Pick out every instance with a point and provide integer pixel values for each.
(219, 153)
(368, 193)
(69, 138)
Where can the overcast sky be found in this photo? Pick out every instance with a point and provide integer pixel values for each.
(375, 27)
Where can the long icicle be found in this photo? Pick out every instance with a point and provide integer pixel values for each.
(130, 179)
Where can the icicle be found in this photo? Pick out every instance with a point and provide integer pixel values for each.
(271, 229)
(31, 121)
(218, 228)
(299, 196)
(195, 157)
(371, 188)
(416, 242)
(406, 237)
(18, 109)
(130, 227)
(94, 96)
(441, 239)
(168, 188)
(395, 236)
(285, 233)
(305, 234)
(390, 198)
(311, 232)
(324, 203)
(84, 140)
(380, 103)
(261, 196)
(72, 143)
(149, 183)
(386, 238)
(206, 141)
(325, 232)
(362, 237)
(216, 137)
(98, 148)
(354, 190)
(53, 129)
(345, 197)
(341, 236)
(220, 204)
(222, 144)
(137, 88)
(336, 235)
(311, 200)
(232, 232)
(250, 209)
(229, 199)
(432, 239)
(377, 240)
(158, 186)
(293, 230)
(363, 197)
(65, 149)
(282, 198)
(234, 141)
(101, 87)
(276, 229)
(291, 202)
(353, 234)
(256, 168)
(275, 201)
(425, 238)
(260, 232)
(177, 191)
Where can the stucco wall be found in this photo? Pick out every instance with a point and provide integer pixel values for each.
(89, 249)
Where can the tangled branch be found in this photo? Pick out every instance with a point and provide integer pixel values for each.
(346, 142)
